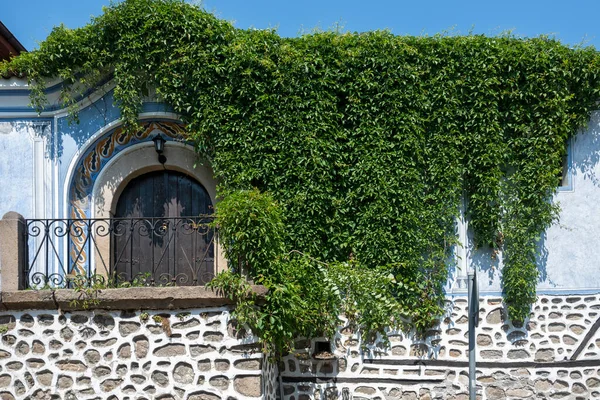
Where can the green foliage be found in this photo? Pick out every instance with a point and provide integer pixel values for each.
(182, 315)
(367, 141)
(251, 228)
(299, 302)
(305, 296)
(157, 318)
(144, 317)
(367, 298)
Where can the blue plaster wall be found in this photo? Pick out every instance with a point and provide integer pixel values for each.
(569, 255)
(16, 167)
(68, 139)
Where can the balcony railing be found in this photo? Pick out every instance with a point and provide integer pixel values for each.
(136, 251)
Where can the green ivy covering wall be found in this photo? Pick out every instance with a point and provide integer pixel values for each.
(369, 142)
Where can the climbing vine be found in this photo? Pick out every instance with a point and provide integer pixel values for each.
(305, 296)
(368, 142)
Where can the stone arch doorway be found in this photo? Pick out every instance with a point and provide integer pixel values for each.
(160, 232)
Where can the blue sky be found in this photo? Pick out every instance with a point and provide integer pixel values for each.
(572, 22)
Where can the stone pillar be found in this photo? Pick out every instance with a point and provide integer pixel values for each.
(13, 251)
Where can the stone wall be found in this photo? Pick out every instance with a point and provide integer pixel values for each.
(555, 355)
(199, 353)
(195, 354)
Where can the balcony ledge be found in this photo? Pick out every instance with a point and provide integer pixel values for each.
(137, 298)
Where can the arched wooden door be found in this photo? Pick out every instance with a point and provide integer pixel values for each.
(160, 231)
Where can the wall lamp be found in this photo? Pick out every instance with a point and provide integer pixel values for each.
(159, 146)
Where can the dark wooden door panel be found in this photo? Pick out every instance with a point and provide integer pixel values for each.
(161, 231)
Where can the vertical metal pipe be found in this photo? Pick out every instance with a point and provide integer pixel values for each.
(68, 255)
(172, 265)
(89, 253)
(473, 315)
(90, 237)
(132, 226)
(152, 241)
(47, 224)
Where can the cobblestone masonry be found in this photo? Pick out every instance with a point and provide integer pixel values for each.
(199, 354)
(555, 355)
(270, 375)
(194, 355)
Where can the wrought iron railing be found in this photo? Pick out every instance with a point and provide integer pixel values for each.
(120, 251)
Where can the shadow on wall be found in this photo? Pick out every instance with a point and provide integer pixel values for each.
(483, 260)
(100, 203)
(41, 128)
(79, 132)
(542, 262)
(586, 151)
(88, 121)
(491, 265)
(98, 115)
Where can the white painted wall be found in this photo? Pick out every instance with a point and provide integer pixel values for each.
(570, 249)
(572, 245)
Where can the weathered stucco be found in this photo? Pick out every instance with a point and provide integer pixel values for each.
(16, 173)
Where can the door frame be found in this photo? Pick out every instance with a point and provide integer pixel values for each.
(131, 163)
(184, 251)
